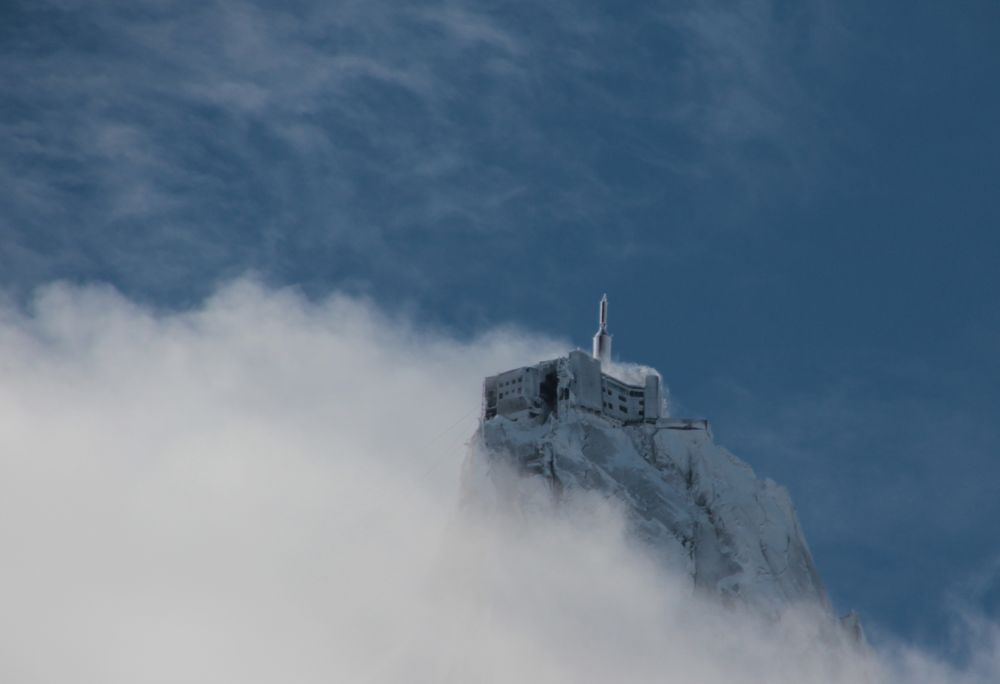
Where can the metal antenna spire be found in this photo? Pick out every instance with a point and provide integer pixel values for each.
(602, 340)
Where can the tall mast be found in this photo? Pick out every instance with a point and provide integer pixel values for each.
(602, 340)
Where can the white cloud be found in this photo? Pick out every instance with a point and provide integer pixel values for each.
(264, 489)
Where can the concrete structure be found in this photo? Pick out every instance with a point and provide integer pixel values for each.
(577, 381)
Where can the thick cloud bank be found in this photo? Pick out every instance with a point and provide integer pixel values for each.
(264, 490)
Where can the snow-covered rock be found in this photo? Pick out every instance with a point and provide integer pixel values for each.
(698, 509)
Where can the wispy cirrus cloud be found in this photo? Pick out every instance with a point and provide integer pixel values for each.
(164, 142)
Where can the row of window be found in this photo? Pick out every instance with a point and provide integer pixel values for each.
(611, 407)
(621, 397)
(623, 408)
(622, 391)
(608, 405)
(516, 389)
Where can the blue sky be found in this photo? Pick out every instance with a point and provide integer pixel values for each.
(792, 206)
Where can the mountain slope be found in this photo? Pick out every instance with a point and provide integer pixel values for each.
(700, 510)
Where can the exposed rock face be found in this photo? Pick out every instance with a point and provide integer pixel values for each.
(700, 510)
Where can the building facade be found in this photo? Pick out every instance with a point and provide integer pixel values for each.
(575, 380)
(578, 381)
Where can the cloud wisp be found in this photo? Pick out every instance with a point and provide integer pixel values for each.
(312, 135)
(263, 489)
